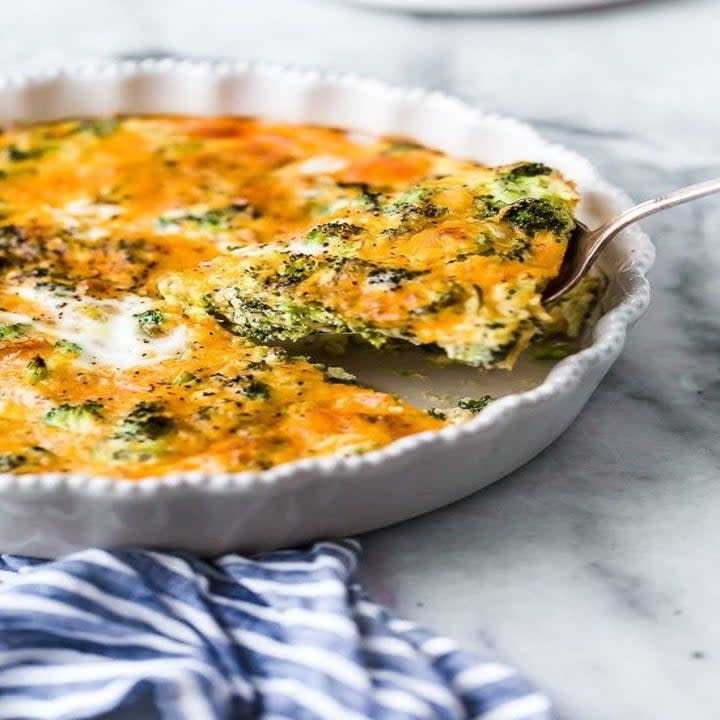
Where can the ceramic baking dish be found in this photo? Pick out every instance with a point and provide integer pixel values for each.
(50, 514)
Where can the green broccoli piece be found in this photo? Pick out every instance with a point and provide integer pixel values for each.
(527, 170)
(414, 208)
(393, 277)
(257, 320)
(416, 202)
(409, 200)
(11, 461)
(248, 386)
(150, 322)
(366, 198)
(336, 231)
(146, 421)
(37, 370)
(256, 390)
(139, 436)
(401, 147)
(451, 296)
(12, 331)
(215, 219)
(61, 287)
(68, 347)
(295, 269)
(16, 154)
(81, 418)
(532, 215)
(437, 414)
(475, 405)
(186, 378)
(35, 455)
(221, 218)
(487, 206)
(101, 127)
(519, 251)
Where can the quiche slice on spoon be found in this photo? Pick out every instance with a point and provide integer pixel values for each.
(457, 261)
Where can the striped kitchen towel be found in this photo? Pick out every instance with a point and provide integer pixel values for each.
(140, 635)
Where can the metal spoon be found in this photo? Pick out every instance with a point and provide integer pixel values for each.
(585, 245)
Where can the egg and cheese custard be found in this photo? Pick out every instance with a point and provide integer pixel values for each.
(457, 260)
(149, 267)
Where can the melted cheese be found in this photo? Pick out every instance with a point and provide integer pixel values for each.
(125, 248)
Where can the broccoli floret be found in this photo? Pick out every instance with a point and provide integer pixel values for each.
(414, 208)
(400, 147)
(11, 461)
(519, 251)
(140, 435)
(82, 417)
(100, 127)
(256, 390)
(146, 421)
(16, 154)
(186, 378)
(393, 277)
(334, 231)
(487, 206)
(35, 455)
(37, 370)
(258, 365)
(68, 347)
(263, 323)
(12, 331)
(150, 322)
(61, 287)
(475, 405)
(527, 170)
(408, 200)
(248, 386)
(445, 299)
(481, 355)
(221, 218)
(295, 269)
(416, 202)
(533, 215)
(214, 219)
(437, 414)
(367, 198)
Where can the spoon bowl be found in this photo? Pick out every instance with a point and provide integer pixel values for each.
(585, 245)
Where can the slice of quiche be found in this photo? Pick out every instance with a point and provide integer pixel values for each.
(457, 261)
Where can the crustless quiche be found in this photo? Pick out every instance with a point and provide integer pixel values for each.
(154, 269)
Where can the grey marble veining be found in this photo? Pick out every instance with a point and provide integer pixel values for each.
(594, 568)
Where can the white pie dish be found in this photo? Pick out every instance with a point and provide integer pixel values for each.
(50, 514)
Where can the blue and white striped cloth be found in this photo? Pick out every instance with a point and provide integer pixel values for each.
(139, 635)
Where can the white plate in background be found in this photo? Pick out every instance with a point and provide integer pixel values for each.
(486, 7)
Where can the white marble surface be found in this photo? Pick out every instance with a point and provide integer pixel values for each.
(595, 568)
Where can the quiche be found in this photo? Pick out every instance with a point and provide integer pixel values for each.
(456, 260)
(154, 272)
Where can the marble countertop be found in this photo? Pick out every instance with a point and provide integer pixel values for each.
(594, 569)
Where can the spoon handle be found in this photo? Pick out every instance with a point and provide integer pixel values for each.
(592, 242)
(661, 202)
